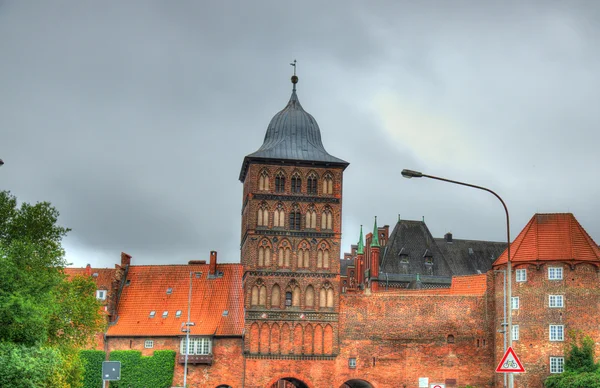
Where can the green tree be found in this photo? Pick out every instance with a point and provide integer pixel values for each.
(581, 371)
(44, 317)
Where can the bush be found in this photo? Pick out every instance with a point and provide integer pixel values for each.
(23, 367)
(144, 372)
(92, 366)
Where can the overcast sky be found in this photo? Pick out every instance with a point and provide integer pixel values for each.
(133, 117)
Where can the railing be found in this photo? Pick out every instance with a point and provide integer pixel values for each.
(196, 359)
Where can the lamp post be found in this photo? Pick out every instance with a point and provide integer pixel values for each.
(1, 162)
(508, 295)
(187, 333)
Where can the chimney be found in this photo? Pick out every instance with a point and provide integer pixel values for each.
(125, 259)
(448, 237)
(88, 270)
(212, 269)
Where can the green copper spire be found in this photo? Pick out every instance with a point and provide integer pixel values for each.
(375, 241)
(361, 245)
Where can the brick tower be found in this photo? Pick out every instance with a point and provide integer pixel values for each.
(290, 245)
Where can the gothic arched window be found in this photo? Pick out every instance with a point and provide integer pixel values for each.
(279, 217)
(327, 220)
(311, 183)
(264, 254)
(311, 218)
(263, 215)
(323, 256)
(328, 184)
(280, 182)
(296, 183)
(295, 218)
(263, 181)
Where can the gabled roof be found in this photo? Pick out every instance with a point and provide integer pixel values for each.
(413, 238)
(551, 237)
(294, 135)
(216, 304)
(103, 279)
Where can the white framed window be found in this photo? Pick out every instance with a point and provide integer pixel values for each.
(556, 301)
(152, 314)
(196, 346)
(521, 275)
(555, 273)
(165, 314)
(101, 294)
(178, 314)
(557, 364)
(557, 332)
(148, 344)
(514, 303)
(515, 332)
(352, 363)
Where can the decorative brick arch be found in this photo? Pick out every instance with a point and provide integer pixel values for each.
(302, 379)
(355, 383)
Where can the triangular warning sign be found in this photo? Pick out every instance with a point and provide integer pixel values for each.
(510, 363)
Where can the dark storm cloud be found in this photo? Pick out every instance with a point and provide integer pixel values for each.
(133, 117)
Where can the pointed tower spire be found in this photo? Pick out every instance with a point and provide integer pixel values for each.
(361, 245)
(375, 241)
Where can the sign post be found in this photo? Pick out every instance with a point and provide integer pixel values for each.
(111, 371)
(510, 363)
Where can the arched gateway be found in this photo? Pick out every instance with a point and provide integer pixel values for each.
(289, 382)
(356, 384)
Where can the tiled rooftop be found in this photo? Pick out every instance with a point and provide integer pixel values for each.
(557, 236)
(147, 291)
(103, 280)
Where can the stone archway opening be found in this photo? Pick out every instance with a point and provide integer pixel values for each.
(356, 383)
(289, 382)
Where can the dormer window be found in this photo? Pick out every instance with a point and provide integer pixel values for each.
(165, 314)
(178, 314)
(101, 294)
(169, 291)
(152, 314)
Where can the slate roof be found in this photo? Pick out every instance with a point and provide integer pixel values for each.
(344, 266)
(293, 134)
(147, 291)
(413, 239)
(460, 257)
(551, 237)
(469, 256)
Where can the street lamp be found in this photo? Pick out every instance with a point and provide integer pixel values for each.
(1, 162)
(508, 295)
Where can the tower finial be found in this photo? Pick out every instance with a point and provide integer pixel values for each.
(294, 77)
(375, 241)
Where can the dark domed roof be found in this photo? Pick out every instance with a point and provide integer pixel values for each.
(294, 135)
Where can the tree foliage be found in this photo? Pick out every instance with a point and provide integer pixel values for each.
(581, 371)
(43, 316)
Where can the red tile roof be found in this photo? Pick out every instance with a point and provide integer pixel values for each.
(461, 285)
(103, 280)
(147, 292)
(553, 237)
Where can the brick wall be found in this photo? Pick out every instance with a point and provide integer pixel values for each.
(581, 296)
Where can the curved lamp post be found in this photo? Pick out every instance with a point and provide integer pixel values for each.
(508, 297)
(1, 162)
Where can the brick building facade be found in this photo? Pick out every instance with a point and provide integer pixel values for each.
(284, 317)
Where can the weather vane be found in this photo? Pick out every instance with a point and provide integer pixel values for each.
(294, 64)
